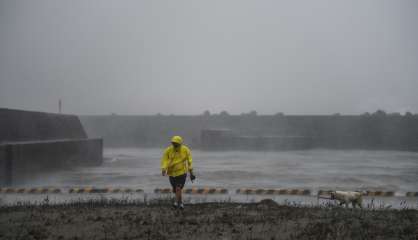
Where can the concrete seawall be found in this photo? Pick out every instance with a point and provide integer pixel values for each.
(17, 125)
(5, 178)
(23, 161)
(35, 143)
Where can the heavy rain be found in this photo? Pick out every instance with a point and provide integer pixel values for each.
(156, 118)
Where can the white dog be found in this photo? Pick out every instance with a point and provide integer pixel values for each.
(346, 197)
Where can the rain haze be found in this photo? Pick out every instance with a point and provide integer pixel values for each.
(215, 119)
(312, 95)
(185, 57)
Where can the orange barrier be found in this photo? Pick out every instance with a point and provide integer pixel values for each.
(163, 190)
(380, 194)
(324, 192)
(411, 194)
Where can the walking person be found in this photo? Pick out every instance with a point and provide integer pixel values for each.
(175, 163)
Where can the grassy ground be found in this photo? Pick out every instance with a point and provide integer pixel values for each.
(157, 220)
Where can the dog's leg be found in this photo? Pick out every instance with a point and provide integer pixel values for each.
(359, 203)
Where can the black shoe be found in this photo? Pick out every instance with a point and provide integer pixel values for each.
(181, 206)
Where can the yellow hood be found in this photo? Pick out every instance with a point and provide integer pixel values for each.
(177, 139)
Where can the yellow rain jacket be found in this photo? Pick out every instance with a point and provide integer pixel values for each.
(177, 161)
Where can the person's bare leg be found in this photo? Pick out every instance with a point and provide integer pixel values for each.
(178, 195)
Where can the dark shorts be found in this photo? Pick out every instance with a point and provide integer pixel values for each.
(177, 181)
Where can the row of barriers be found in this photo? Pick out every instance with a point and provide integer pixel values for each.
(30, 190)
(194, 190)
(274, 191)
(104, 190)
(247, 191)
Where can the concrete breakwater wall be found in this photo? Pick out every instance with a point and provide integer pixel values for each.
(25, 161)
(34, 143)
(225, 140)
(377, 131)
(17, 125)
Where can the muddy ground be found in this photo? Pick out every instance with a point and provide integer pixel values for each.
(265, 220)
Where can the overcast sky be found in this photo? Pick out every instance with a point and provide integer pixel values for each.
(184, 57)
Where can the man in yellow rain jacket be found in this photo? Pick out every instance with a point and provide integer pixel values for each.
(176, 162)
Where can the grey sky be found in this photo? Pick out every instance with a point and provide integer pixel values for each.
(183, 57)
